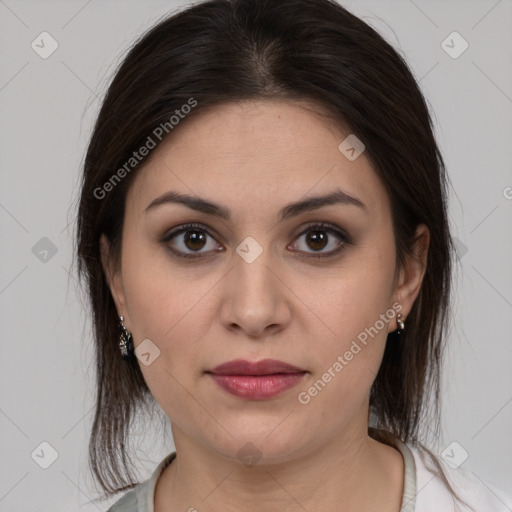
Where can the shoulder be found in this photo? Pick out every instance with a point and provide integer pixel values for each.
(141, 497)
(433, 494)
(128, 503)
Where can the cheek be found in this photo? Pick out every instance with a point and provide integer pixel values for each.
(162, 300)
(173, 309)
(347, 366)
(356, 311)
(348, 304)
(166, 308)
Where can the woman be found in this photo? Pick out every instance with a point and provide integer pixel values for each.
(263, 232)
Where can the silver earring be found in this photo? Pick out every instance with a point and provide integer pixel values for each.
(401, 325)
(125, 341)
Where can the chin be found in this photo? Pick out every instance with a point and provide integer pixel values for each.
(260, 448)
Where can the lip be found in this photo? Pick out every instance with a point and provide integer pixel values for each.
(258, 380)
(263, 367)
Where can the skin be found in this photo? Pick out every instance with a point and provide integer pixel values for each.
(254, 158)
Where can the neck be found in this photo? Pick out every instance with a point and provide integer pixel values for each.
(350, 473)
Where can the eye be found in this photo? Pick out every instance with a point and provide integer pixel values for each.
(318, 239)
(196, 238)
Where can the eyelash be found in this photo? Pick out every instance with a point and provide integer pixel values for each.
(322, 226)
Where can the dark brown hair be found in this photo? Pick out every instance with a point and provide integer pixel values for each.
(221, 51)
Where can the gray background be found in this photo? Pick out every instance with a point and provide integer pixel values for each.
(47, 107)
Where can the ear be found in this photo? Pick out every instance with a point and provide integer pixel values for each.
(411, 275)
(113, 276)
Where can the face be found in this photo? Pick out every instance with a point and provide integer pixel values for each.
(314, 288)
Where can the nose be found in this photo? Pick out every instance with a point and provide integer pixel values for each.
(255, 300)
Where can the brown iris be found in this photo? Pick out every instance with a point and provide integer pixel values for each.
(316, 239)
(195, 239)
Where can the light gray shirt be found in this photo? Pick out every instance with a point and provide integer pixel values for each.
(424, 491)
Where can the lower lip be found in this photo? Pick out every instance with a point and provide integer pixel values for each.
(257, 387)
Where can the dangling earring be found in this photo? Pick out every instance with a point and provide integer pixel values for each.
(125, 341)
(401, 325)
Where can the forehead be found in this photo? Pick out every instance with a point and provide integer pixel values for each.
(257, 153)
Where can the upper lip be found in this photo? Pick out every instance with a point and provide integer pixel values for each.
(263, 367)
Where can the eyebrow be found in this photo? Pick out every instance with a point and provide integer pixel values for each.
(311, 203)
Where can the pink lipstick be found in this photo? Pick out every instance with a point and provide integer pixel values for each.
(258, 380)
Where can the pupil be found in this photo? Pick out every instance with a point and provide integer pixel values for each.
(196, 237)
(317, 239)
